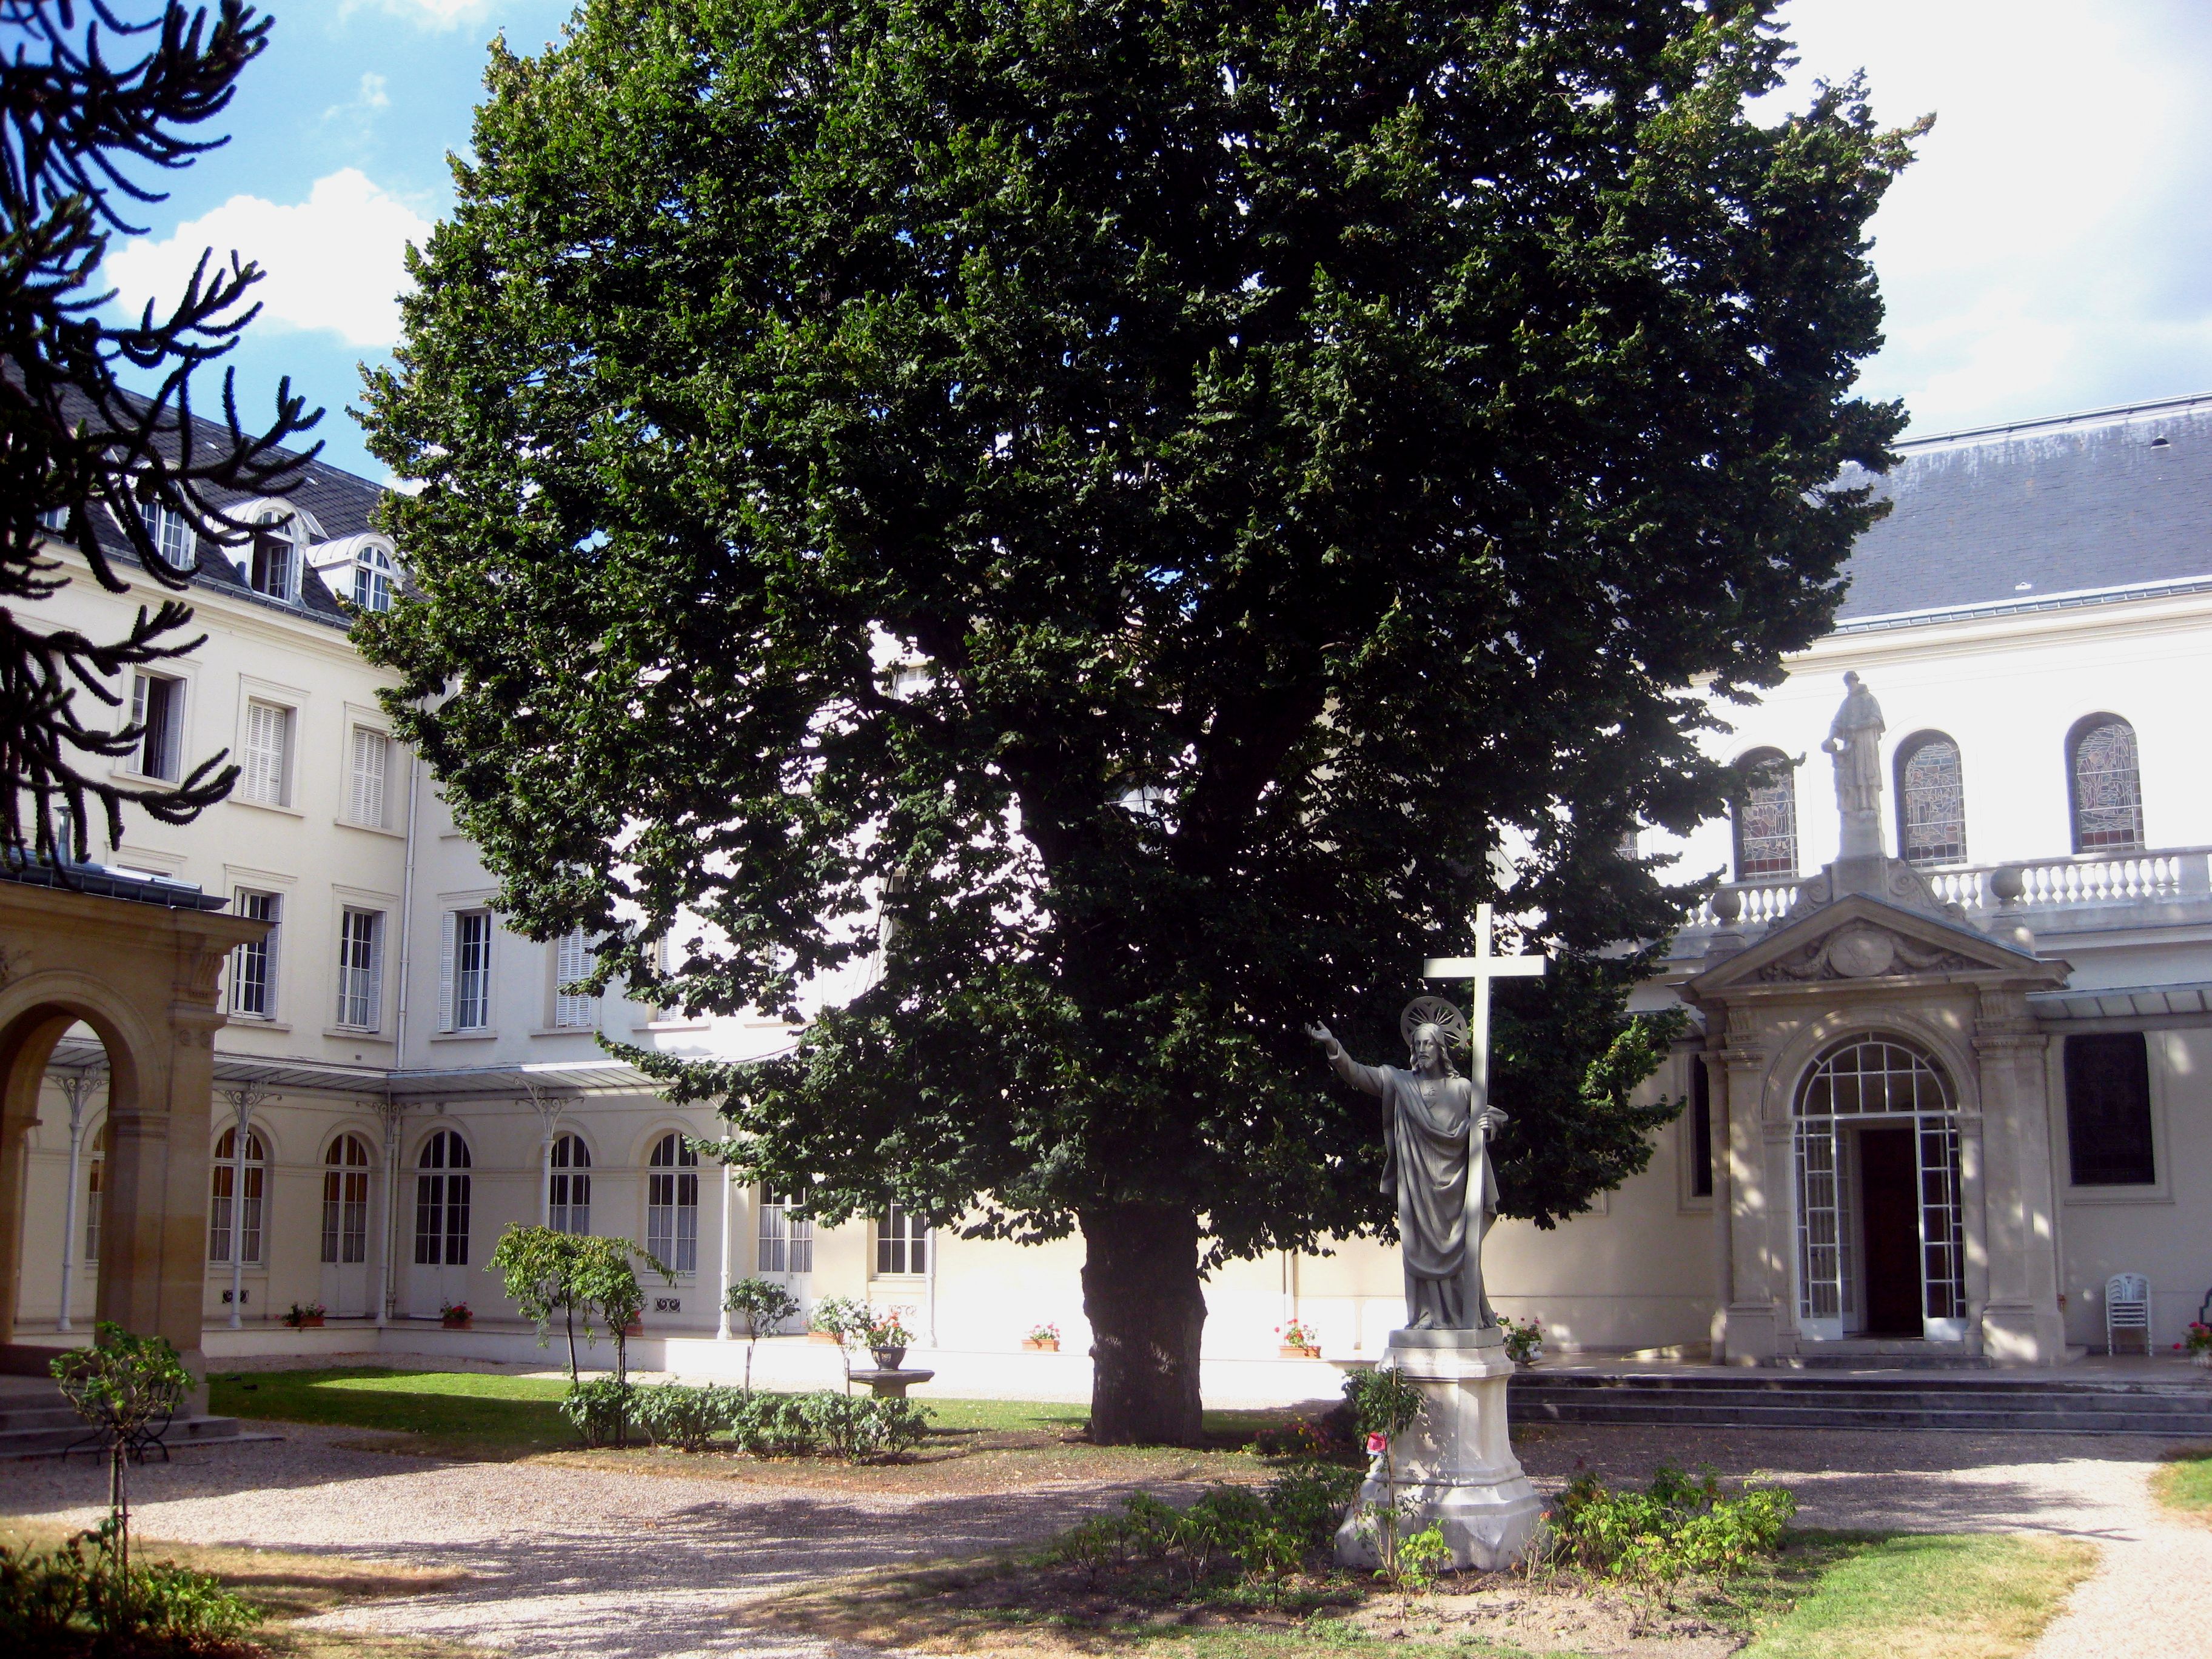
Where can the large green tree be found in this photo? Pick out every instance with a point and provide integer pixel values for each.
(1155, 495)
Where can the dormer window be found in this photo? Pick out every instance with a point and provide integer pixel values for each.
(274, 567)
(372, 579)
(172, 536)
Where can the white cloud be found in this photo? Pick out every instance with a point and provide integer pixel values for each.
(375, 95)
(2048, 252)
(431, 14)
(333, 262)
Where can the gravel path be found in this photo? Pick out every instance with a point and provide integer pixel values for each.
(569, 1561)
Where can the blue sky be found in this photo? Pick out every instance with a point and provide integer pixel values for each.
(2050, 252)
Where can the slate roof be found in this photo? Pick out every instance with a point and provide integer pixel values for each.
(2115, 497)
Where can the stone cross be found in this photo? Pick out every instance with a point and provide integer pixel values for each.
(1481, 967)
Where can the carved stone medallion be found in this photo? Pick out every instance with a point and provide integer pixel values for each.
(1862, 952)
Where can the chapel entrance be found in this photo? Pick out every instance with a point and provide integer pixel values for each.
(1890, 1223)
(1881, 1247)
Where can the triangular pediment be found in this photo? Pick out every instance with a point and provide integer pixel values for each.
(1864, 939)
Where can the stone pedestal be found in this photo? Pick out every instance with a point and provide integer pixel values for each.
(1455, 1466)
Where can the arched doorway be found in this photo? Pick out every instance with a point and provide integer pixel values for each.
(347, 1291)
(1879, 1237)
(139, 965)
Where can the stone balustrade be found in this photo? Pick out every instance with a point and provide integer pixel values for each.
(2080, 879)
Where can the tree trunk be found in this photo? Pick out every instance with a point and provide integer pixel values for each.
(1142, 1294)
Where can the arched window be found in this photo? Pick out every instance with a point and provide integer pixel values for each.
(568, 1206)
(2107, 789)
(1767, 821)
(345, 1201)
(1931, 800)
(671, 1205)
(95, 1184)
(372, 577)
(226, 1215)
(442, 1202)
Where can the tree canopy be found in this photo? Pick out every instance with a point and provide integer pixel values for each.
(1153, 497)
(84, 117)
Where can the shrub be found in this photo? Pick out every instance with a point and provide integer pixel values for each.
(65, 1601)
(1424, 1557)
(771, 1425)
(1680, 1528)
(1302, 1437)
(688, 1418)
(853, 1428)
(1308, 1501)
(600, 1408)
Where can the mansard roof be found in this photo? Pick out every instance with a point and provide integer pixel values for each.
(2016, 515)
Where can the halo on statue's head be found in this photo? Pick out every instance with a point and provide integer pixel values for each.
(1433, 1011)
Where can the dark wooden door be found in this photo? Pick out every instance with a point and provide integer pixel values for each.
(1889, 1212)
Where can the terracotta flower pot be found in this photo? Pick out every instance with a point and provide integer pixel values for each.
(466, 1323)
(823, 1336)
(1294, 1351)
(636, 1328)
(1036, 1347)
(309, 1321)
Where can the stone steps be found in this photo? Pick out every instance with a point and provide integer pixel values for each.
(35, 1422)
(1804, 1401)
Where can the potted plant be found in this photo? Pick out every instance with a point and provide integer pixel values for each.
(304, 1314)
(1043, 1338)
(887, 1338)
(457, 1315)
(836, 1319)
(2197, 1344)
(1299, 1342)
(1524, 1340)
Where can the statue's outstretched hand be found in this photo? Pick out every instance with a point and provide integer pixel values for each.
(1321, 1034)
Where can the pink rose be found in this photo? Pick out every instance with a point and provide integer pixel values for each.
(1378, 1443)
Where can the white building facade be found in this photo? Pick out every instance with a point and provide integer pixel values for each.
(400, 1077)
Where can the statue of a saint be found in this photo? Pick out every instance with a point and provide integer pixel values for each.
(1855, 743)
(1436, 1166)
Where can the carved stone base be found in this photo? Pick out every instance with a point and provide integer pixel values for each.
(1455, 1466)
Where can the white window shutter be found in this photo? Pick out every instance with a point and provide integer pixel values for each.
(446, 971)
(370, 750)
(572, 961)
(276, 942)
(268, 729)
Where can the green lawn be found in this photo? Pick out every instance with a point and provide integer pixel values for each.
(480, 1415)
(1930, 1596)
(2185, 1482)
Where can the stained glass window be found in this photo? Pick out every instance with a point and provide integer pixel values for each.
(1767, 824)
(2107, 789)
(1932, 795)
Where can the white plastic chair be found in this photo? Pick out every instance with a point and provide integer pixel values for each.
(2127, 1307)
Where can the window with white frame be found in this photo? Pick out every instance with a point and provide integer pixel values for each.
(786, 1236)
(231, 1221)
(264, 774)
(157, 709)
(369, 765)
(273, 565)
(442, 1193)
(345, 1201)
(902, 1242)
(172, 536)
(464, 972)
(372, 577)
(671, 1204)
(253, 965)
(360, 968)
(572, 960)
(568, 1185)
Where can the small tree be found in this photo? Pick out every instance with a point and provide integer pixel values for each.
(124, 1386)
(606, 1282)
(1385, 1402)
(537, 1268)
(765, 1305)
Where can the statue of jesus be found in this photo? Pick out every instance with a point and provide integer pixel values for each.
(1435, 1167)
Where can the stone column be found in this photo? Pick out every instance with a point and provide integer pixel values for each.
(22, 1072)
(1758, 1207)
(722, 1296)
(2022, 1321)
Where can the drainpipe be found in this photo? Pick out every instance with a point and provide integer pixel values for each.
(406, 914)
(78, 1086)
(391, 1112)
(722, 1320)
